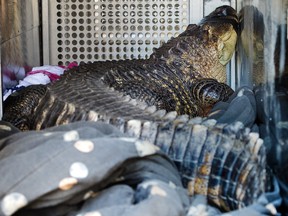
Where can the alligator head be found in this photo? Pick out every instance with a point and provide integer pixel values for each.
(202, 51)
(222, 23)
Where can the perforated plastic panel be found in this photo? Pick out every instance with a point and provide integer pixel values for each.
(89, 30)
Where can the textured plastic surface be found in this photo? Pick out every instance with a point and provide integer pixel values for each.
(101, 30)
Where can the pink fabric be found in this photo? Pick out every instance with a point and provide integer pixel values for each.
(51, 76)
(38, 75)
(70, 65)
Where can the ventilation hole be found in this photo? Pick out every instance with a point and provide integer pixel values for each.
(110, 7)
(133, 42)
(82, 56)
(116, 29)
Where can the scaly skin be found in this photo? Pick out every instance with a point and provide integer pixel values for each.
(168, 78)
(226, 163)
(180, 75)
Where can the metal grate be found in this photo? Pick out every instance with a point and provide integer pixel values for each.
(91, 30)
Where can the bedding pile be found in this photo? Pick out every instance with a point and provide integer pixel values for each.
(15, 78)
(90, 168)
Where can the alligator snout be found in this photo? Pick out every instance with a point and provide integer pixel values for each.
(223, 14)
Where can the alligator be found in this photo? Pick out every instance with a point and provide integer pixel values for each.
(158, 99)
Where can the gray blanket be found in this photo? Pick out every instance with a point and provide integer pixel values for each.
(88, 168)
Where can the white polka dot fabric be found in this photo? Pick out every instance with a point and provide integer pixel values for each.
(47, 171)
(92, 169)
